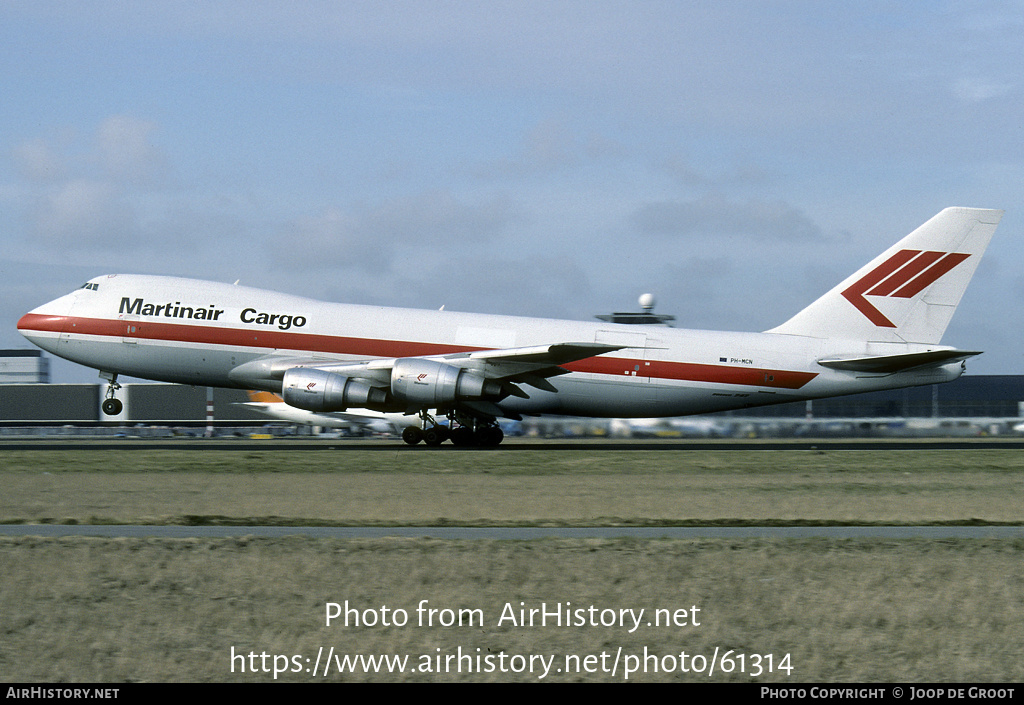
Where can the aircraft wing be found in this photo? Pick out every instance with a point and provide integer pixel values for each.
(530, 365)
(546, 355)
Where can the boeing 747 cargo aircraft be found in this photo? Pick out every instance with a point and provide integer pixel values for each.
(878, 329)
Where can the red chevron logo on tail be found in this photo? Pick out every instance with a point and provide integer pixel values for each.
(904, 275)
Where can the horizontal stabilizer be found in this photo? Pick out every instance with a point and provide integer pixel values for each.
(883, 364)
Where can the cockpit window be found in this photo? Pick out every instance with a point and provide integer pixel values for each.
(91, 286)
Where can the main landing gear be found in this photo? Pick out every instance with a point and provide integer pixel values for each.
(462, 430)
(111, 406)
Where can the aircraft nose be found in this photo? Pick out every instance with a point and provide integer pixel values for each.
(42, 326)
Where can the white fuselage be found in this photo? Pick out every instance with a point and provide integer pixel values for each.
(197, 332)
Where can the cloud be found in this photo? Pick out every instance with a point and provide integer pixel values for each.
(37, 160)
(84, 214)
(121, 149)
(84, 194)
(713, 214)
(372, 237)
(437, 217)
(551, 147)
(331, 239)
(523, 286)
(124, 148)
(686, 171)
(978, 91)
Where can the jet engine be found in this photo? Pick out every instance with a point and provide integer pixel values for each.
(317, 390)
(430, 383)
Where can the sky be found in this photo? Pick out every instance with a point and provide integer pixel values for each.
(736, 159)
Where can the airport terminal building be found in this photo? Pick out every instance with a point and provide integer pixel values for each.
(977, 396)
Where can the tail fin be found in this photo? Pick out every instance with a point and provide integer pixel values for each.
(909, 292)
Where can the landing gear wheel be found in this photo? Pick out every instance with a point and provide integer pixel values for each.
(435, 435)
(412, 435)
(490, 436)
(112, 407)
(463, 436)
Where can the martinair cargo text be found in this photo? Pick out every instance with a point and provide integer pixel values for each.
(878, 329)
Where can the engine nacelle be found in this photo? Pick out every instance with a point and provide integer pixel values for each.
(317, 390)
(429, 383)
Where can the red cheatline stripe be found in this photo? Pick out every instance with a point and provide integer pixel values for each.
(905, 274)
(370, 347)
(40, 322)
(929, 276)
(694, 372)
(209, 335)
